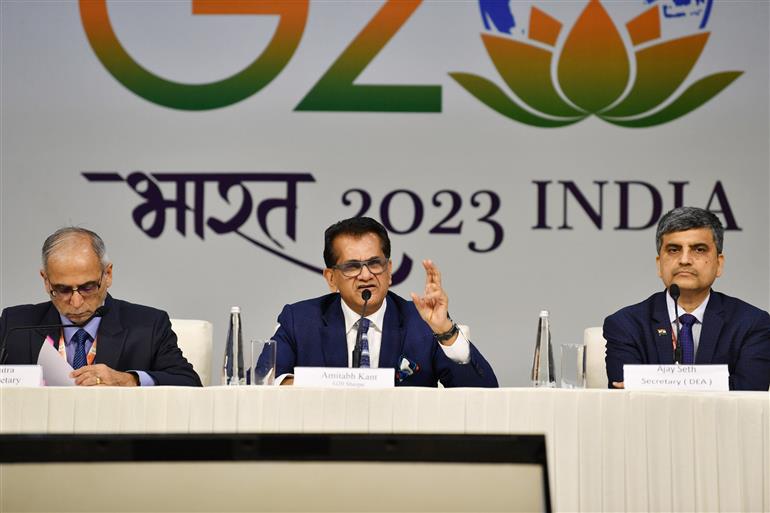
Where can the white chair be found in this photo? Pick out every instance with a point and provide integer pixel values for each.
(596, 370)
(194, 338)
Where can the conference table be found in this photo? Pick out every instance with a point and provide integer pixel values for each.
(607, 450)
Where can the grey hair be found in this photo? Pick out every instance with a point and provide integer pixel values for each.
(689, 218)
(59, 236)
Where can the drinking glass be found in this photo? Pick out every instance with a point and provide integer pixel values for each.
(263, 354)
(573, 366)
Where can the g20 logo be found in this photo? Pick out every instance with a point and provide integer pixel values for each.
(559, 75)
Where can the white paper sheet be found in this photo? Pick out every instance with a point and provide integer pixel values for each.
(56, 370)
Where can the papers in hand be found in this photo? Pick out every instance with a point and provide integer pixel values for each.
(56, 370)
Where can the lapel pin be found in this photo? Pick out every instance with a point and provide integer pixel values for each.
(662, 332)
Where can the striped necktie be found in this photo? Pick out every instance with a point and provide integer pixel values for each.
(363, 328)
(686, 338)
(80, 338)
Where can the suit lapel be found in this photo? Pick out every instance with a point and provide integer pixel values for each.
(392, 336)
(111, 336)
(334, 342)
(661, 329)
(713, 320)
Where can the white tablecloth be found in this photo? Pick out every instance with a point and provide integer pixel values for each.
(607, 450)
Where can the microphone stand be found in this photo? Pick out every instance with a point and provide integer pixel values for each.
(366, 295)
(674, 292)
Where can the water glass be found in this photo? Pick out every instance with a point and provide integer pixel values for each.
(263, 355)
(573, 366)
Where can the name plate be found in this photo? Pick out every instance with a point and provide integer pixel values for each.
(676, 377)
(341, 377)
(21, 375)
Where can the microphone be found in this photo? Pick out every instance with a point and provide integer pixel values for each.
(99, 312)
(366, 295)
(674, 292)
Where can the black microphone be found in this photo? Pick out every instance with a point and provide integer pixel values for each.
(673, 291)
(100, 312)
(366, 295)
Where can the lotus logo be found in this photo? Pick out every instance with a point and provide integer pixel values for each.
(595, 73)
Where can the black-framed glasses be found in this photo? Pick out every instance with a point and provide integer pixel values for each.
(353, 268)
(64, 292)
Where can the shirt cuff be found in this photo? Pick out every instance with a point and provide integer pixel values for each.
(460, 351)
(145, 380)
(280, 378)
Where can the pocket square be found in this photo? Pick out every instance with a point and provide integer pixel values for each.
(406, 368)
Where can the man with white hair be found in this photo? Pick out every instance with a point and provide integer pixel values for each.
(114, 343)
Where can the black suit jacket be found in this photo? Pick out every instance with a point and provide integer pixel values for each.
(312, 334)
(733, 333)
(130, 337)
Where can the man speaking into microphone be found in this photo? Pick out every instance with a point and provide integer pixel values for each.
(689, 322)
(362, 324)
(107, 341)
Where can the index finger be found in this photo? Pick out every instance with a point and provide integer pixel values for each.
(432, 274)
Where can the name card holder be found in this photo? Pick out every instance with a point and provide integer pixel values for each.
(341, 377)
(21, 376)
(691, 378)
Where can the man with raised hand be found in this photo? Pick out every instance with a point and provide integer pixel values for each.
(418, 339)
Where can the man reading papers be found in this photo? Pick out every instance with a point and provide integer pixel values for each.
(116, 343)
(714, 328)
(417, 339)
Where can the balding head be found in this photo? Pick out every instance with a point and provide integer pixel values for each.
(73, 239)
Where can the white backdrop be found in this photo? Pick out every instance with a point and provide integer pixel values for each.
(64, 114)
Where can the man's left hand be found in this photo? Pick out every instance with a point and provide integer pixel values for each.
(434, 304)
(101, 375)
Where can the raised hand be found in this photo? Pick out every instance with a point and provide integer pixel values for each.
(434, 304)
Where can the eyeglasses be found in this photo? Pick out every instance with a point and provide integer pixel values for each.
(353, 268)
(64, 292)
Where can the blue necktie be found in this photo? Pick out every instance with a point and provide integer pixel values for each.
(80, 338)
(685, 338)
(363, 328)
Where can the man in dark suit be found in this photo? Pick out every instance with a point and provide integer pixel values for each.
(128, 345)
(417, 339)
(714, 328)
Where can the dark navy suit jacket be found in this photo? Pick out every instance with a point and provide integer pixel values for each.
(130, 337)
(312, 334)
(733, 333)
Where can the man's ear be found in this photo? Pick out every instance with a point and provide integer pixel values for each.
(329, 277)
(108, 276)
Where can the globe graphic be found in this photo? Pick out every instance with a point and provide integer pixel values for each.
(510, 18)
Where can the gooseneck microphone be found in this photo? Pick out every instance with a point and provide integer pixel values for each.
(100, 312)
(673, 291)
(366, 295)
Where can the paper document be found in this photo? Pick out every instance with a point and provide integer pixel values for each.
(56, 370)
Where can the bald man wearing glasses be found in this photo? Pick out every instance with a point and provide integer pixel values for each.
(417, 339)
(115, 342)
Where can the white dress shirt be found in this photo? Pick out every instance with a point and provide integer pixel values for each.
(459, 352)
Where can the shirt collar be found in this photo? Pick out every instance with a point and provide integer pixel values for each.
(351, 317)
(91, 328)
(698, 312)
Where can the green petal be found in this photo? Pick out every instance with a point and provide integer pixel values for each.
(695, 96)
(492, 96)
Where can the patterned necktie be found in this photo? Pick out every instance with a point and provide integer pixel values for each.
(363, 328)
(685, 338)
(80, 338)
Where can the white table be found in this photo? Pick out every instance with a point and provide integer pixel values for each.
(607, 450)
